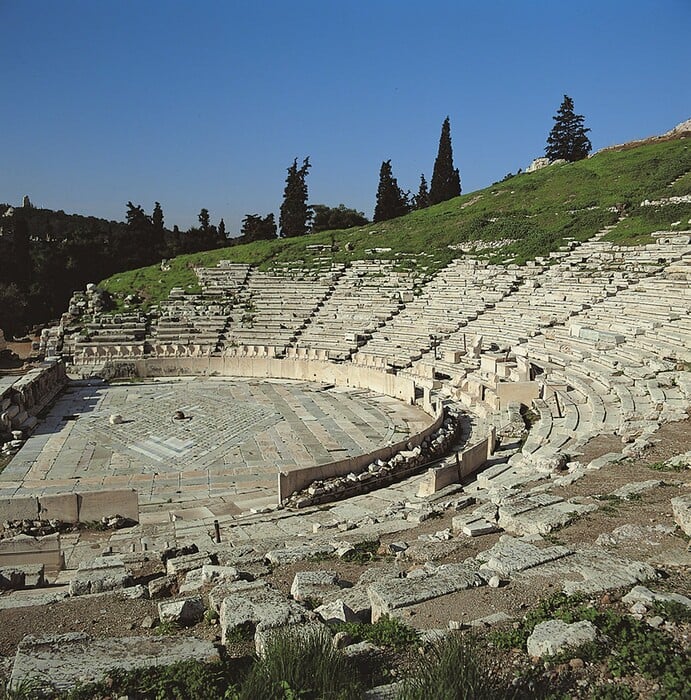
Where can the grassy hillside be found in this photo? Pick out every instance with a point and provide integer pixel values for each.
(532, 214)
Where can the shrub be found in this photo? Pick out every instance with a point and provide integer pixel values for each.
(385, 632)
(301, 664)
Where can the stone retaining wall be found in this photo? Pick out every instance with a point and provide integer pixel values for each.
(24, 398)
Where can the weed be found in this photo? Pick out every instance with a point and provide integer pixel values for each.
(665, 467)
(243, 632)
(362, 552)
(613, 692)
(457, 667)
(629, 645)
(166, 628)
(672, 610)
(385, 632)
(186, 680)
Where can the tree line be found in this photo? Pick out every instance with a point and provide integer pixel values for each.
(46, 255)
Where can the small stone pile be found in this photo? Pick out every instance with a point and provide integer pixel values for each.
(41, 528)
(432, 447)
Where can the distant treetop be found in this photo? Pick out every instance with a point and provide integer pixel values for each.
(446, 180)
(568, 138)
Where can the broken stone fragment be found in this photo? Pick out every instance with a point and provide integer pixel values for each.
(187, 611)
(554, 636)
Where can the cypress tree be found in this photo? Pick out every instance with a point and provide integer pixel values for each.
(391, 200)
(568, 138)
(295, 214)
(422, 196)
(157, 217)
(446, 180)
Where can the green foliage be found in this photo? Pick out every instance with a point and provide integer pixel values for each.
(392, 202)
(333, 218)
(31, 688)
(185, 680)
(301, 664)
(166, 628)
(665, 467)
(385, 632)
(672, 610)
(629, 645)
(613, 692)
(256, 228)
(295, 214)
(446, 180)
(568, 138)
(459, 666)
(362, 552)
(421, 199)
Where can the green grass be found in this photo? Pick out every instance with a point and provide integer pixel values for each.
(539, 211)
(459, 666)
(301, 664)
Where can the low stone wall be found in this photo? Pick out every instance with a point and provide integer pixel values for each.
(31, 550)
(298, 479)
(467, 462)
(86, 507)
(308, 370)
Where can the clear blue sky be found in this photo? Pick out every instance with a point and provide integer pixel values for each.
(205, 104)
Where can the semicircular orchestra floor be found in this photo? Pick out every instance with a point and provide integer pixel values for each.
(221, 458)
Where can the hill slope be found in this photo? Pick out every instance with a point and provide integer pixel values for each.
(522, 217)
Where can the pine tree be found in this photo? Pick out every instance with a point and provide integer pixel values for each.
(295, 214)
(391, 200)
(422, 196)
(204, 219)
(568, 138)
(222, 230)
(446, 180)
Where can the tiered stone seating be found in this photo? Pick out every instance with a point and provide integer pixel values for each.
(610, 353)
(227, 278)
(456, 294)
(369, 294)
(275, 306)
(190, 320)
(111, 337)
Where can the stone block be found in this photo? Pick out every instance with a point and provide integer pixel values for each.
(23, 549)
(390, 595)
(69, 659)
(64, 507)
(554, 636)
(213, 574)
(336, 611)
(681, 508)
(186, 611)
(18, 508)
(22, 576)
(290, 555)
(313, 585)
(163, 587)
(187, 562)
(94, 505)
(510, 555)
(641, 594)
(260, 610)
(101, 574)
